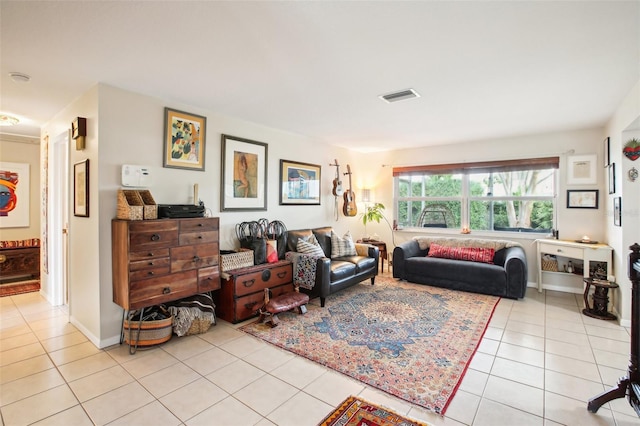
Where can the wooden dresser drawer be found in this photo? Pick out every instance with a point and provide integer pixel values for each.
(208, 279)
(259, 280)
(158, 290)
(247, 306)
(148, 254)
(153, 239)
(193, 257)
(201, 237)
(199, 224)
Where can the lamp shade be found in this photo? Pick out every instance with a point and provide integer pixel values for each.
(366, 195)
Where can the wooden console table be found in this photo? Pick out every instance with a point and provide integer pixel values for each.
(570, 250)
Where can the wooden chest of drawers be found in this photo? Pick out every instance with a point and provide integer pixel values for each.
(19, 264)
(157, 261)
(242, 294)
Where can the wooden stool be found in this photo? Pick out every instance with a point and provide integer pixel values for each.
(285, 302)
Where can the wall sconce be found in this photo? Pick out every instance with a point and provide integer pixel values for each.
(366, 196)
(79, 131)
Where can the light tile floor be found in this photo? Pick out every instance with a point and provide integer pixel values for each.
(538, 364)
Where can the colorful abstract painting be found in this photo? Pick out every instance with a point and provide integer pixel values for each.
(14, 195)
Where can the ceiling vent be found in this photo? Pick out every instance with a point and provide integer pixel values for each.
(400, 96)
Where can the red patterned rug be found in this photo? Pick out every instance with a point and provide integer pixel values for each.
(11, 289)
(409, 340)
(357, 412)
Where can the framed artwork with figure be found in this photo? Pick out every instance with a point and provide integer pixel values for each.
(244, 174)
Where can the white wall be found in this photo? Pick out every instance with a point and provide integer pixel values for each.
(17, 152)
(624, 124)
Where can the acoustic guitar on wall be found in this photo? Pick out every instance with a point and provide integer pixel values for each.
(349, 208)
(337, 183)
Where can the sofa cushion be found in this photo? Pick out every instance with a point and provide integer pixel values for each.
(341, 269)
(310, 248)
(475, 274)
(473, 254)
(342, 246)
(362, 263)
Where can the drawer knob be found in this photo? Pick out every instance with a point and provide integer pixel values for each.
(150, 263)
(250, 305)
(150, 254)
(200, 224)
(196, 259)
(266, 274)
(199, 237)
(150, 273)
(166, 290)
(282, 274)
(155, 237)
(248, 283)
(3, 258)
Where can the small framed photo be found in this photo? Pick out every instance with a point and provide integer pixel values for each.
(612, 178)
(81, 189)
(578, 199)
(581, 169)
(244, 174)
(606, 155)
(299, 183)
(184, 140)
(617, 211)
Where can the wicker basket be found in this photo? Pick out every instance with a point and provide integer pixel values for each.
(151, 332)
(199, 326)
(550, 265)
(149, 206)
(130, 205)
(235, 260)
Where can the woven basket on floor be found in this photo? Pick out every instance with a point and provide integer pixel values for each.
(199, 326)
(151, 332)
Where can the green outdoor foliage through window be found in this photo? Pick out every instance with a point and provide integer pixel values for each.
(497, 200)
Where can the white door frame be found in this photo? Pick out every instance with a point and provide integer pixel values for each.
(58, 219)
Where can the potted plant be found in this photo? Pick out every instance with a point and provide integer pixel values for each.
(374, 212)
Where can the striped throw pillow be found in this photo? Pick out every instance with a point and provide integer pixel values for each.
(342, 246)
(309, 249)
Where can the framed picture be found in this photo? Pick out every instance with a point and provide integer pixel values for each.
(81, 189)
(581, 169)
(577, 199)
(299, 183)
(617, 211)
(606, 155)
(244, 174)
(612, 178)
(184, 140)
(15, 191)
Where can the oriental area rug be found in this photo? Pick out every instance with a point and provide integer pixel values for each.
(409, 340)
(357, 412)
(11, 289)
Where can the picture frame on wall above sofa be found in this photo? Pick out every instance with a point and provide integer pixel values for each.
(299, 183)
(617, 211)
(582, 199)
(244, 174)
(581, 169)
(81, 188)
(184, 140)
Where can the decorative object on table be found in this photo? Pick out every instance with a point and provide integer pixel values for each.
(612, 178)
(631, 149)
(606, 155)
(149, 206)
(374, 213)
(632, 174)
(582, 199)
(299, 183)
(617, 211)
(79, 132)
(581, 169)
(234, 260)
(81, 188)
(586, 240)
(354, 411)
(244, 174)
(15, 186)
(349, 207)
(403, 351)
(549, 262)
(252, 235)
(184, 140)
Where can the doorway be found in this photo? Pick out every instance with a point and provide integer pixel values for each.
(58, 220)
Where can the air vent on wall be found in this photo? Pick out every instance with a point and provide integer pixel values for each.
(400, 96)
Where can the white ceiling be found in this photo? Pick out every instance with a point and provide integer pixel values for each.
(484, 69)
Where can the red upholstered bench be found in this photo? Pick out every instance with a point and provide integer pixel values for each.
(284, 302)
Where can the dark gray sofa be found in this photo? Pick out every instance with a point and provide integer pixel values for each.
(333, 275)
(507, 277)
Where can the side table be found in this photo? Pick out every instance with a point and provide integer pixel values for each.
(382, 247)
(600, 299)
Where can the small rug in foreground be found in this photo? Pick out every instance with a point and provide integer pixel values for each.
(356, 412)
(412, 341)
(12, 289)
